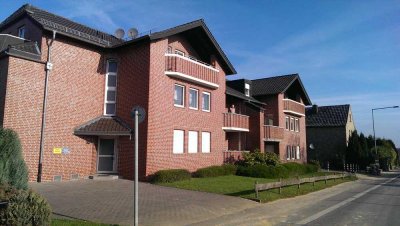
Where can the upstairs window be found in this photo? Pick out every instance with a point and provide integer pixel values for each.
(291, 124)
(247, 89)
(110, 98)
(21, 32)
(287, 122)
(296, 125)
(206, 101)
(193, 98)
(179, 96)
(179, 53)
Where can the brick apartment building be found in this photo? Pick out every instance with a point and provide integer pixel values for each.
(94, 79)
(269, 114)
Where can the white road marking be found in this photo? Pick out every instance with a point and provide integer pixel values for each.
(342, 203)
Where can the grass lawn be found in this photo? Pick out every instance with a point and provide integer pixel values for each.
(59, 222)
(244, 186)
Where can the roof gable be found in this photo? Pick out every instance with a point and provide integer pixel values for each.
(327, 116)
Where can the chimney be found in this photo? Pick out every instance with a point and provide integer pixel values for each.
(315, 109)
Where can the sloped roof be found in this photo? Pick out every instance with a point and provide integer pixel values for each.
(104, 125)
(11, 45)
(277, 84)
(50, 21)
(235, 93)
(327, 116)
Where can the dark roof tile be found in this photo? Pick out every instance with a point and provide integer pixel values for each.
(104, 125)
(336, 115)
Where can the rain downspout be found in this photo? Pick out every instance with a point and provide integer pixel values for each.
(48, 68)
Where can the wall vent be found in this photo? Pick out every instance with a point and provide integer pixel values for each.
(74, 176)
(57, 178)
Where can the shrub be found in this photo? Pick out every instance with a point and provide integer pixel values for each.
(256, 157)
(263, 171)
(296, 169)
(13, 169)
(215, 171)
(25, 207)
(172, 175)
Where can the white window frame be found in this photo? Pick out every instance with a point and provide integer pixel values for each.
(110, 88)
(22, 32)
(197, 99)
(291, 124)
(178, 52)
(296, 124)
(297, 152)
(178, 141)
(287, 123)
(183, 96)
(204, 147)
(293, 155)
(209, 101)
(288, 152)
(247, 89)
(193, 143)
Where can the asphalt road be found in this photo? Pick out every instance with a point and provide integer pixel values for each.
(375, 203)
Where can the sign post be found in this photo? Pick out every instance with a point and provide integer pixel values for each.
(138, 114)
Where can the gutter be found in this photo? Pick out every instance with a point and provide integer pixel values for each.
(48, 68)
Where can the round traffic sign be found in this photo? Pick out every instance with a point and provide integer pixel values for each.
(141, 113)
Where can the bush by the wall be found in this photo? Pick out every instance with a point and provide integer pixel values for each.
(25, 207)
(13, 169)
(296, 169)
(215, 171)
(263, 171)
(256, 158)
(172, 175)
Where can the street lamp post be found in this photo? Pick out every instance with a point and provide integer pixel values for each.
(373, 127)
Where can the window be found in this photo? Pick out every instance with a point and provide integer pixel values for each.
(193, 141)
(296, 125)
(288, 152)
(179, 96)
(21, 32)
(297, 152)
(169, 49)
(178, 141)
(247, 89)
(193, 99)
(179, 52)
(287, 122)
(293, 155)
(291, 124)
(205, 142)
(206, 101)
(111, 88)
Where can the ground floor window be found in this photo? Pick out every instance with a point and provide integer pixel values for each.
(288, 152)
(178, 142)
(297, 152)
(205, 142)
(193, 141)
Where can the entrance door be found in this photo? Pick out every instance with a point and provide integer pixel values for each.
(106, 161)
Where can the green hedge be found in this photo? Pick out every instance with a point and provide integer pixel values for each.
(216, 171)
(296, 169)
(172, 175)
(25, 207)
(263, 171)
(13, 169)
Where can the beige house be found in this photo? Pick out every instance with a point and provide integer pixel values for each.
(328, 132)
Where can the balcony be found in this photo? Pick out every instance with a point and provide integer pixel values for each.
(236, 122)
(293, 107)
(191, 70)
(273, 133)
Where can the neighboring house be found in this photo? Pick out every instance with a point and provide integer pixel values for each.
(94, 80)
(328, 130)
(275, 110)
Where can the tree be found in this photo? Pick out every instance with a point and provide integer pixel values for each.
(353, 151)
(13, 169)
(366, 155)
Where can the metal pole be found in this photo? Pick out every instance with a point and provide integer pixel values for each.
(373, 128)
(136, 187)
(40, 165)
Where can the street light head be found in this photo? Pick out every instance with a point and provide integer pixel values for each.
(395, 106)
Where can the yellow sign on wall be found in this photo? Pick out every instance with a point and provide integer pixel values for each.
(57, 151)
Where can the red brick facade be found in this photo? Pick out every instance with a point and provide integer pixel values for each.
(76, 95)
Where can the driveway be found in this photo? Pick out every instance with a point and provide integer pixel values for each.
(112, 202)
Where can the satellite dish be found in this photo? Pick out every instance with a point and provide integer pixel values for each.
(312, 146)
(133, 33)
(119, 33)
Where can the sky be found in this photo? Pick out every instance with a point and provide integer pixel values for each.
(346, 52)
